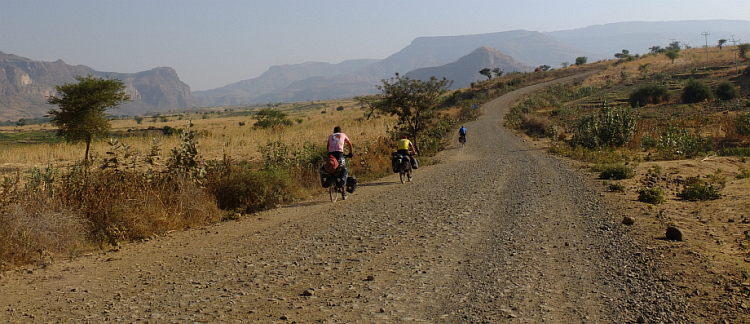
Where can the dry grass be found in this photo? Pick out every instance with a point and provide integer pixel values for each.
(220, 135)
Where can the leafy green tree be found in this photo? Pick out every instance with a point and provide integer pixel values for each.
(486, 72)
(581, 60)
(81, 117)
(649, 94)
(726, 91)
(415, 102)
(672, 54)
(674, 46)
(269, 117)
(696, 91)
(545, 67)
(623, 55)
(744, 48)
(498, 72)
(655, 49)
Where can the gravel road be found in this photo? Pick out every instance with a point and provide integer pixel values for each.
(497, 232)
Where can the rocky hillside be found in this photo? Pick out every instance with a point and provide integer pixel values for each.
(529, 48)
(640, 36)
(278, 76)
(25, 84)
(466, 70)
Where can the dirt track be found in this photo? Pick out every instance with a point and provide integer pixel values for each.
(497, 232)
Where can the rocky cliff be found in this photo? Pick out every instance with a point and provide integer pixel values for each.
(25, 84)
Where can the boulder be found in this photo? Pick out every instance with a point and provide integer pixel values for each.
(674, 234)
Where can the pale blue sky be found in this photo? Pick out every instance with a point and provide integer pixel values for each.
(213, 43)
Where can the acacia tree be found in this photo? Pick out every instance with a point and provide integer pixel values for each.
(82, 117)
(413, 101)
(721, 43)
(486, 72)
(269, 118)
(498, 72)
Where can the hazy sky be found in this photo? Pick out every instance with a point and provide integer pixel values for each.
(212, 43)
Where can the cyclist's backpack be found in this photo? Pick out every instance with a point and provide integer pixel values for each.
(332, 163)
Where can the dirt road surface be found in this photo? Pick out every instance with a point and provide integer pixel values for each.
(498, 232)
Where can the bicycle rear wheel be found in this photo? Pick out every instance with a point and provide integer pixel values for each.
(333, 192)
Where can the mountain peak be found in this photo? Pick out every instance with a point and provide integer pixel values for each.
(466, 69)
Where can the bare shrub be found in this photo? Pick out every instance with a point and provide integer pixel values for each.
(133, 205)
(535, 125)
(36, 229)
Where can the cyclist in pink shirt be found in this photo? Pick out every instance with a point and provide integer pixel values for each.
(335, 147)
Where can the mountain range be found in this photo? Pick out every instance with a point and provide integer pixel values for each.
(24, 83)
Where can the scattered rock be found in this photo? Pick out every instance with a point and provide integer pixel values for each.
(675, 234)
(627, 220)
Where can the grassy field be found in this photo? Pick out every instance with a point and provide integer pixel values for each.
(223, 131)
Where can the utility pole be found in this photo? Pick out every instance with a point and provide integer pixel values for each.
(705, 35)
(736, 64)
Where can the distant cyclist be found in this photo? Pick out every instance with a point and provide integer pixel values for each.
(462, 135)
(405, 147)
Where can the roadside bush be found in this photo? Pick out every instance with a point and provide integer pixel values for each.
(649, 94)
(726, 91)
(651, 195)
(696, 91)
(614, 171)
(38, 226)
(697, 189)
(123, 206)
(241, 189)
(612, 127)
(431, 139)
(534, 125)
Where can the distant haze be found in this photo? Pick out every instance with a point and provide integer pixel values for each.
(215, 43)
